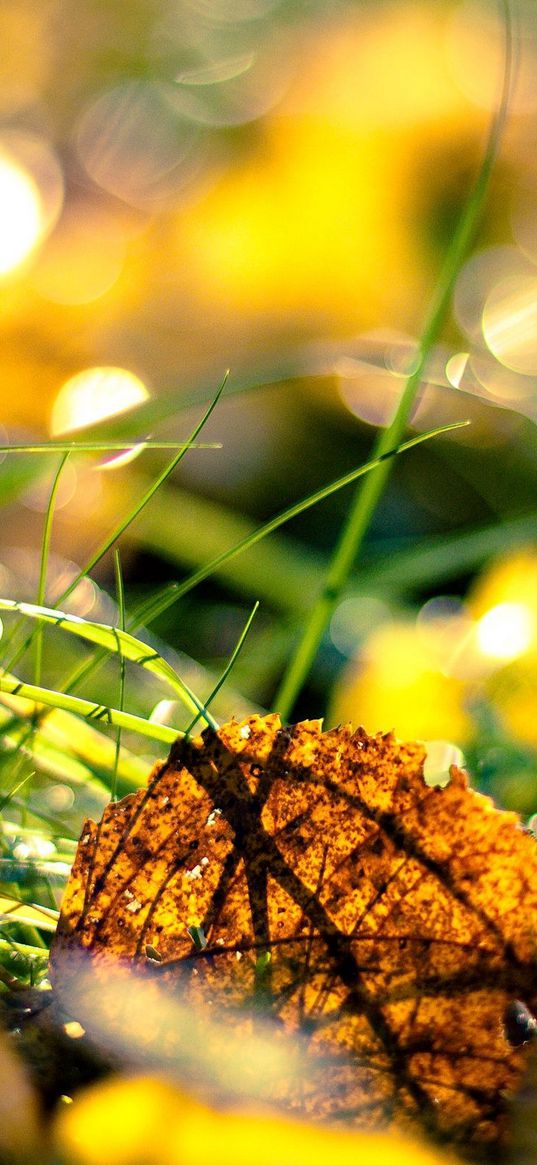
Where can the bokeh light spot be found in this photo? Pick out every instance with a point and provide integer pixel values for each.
(506, 631)
(21, 214)
(478, 278)
(74, 1029)
(441, 754)
(510, 324)
(82, 260)
(456, 367)
(59, 798)
(93, 395)
(133, 144)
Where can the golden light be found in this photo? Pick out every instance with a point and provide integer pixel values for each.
(121, 1120)
(74, 1029)
(82, 260)
(237, 239)
(21, 214)
(397, 683)
(93, 395)
(506, 631)
(475, 33)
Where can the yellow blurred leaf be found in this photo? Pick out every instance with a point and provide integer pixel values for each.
(147, 1121)
(398, 681)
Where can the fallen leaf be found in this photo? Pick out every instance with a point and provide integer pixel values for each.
(315, 877)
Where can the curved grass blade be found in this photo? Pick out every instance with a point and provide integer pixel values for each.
(88, 709)
(150, 609)
(113, 639)
(13, 910)
(8, 947)
(68, 749)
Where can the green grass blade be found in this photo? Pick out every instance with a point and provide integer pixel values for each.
(120, 592)
(153, 607)
(88, 709)
(113, 640)
(68, 749)
(13, 792)
(229, 666)
(43, 564)
(367, 497)
(168, 595)
(106, 446)
(276, 572)
(7, 948)
(31, 871)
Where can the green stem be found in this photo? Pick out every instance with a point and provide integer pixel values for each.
(368, 495)
(43, 566)
(120, 595)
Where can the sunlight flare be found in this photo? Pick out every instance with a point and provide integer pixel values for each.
(21, 214)
(506, 631)
(94, 395)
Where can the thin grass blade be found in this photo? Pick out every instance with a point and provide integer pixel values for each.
(149, 610)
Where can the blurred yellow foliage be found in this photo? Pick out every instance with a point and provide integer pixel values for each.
(322, 217)
(421, 681)
(148, 1121)
(398, 685)
(310, 225)
(511, 688)
(510, 579)
(319, 223)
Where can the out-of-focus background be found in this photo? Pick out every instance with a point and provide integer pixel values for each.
(188, 186)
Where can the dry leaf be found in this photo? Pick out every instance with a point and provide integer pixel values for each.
(317, 878)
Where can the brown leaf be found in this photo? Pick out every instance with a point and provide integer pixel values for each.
(401, 919)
